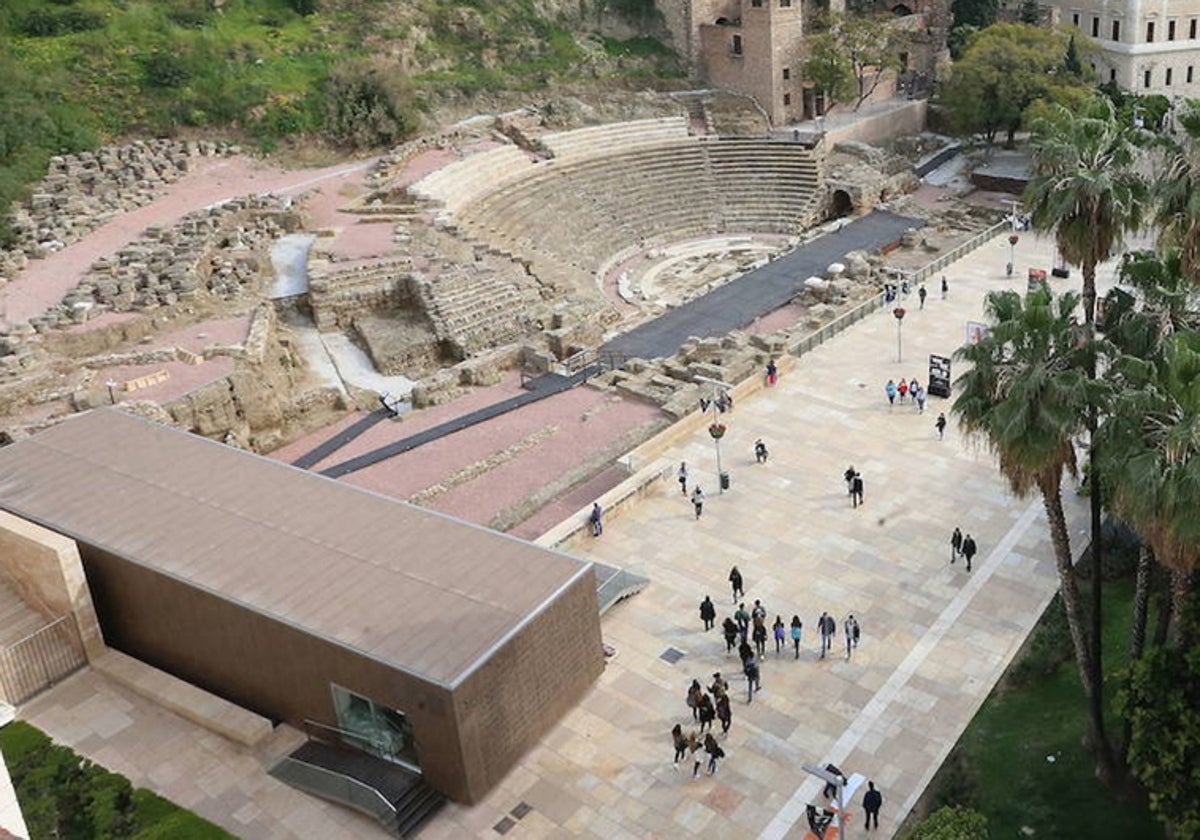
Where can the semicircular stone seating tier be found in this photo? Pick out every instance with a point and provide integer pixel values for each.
(609, 188)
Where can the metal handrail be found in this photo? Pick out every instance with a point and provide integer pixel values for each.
(44, 629)
(349, 780)
(358, 736)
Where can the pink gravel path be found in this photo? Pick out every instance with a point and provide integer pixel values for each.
(45, 281)
(785, 316)
(587, 421)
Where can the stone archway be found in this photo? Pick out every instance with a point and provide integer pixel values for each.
(840, 204)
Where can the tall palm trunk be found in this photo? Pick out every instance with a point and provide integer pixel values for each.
(1137, 640)
(1102, 748)
(1183, 624)
(1068, 583)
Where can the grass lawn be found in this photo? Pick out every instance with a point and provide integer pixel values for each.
(1001, 765)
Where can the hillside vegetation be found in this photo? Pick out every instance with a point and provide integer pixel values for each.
(359, 73)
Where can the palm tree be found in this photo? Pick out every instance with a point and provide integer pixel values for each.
(1177, 191)
(1026, 393)
(1086, 189)
(1154, 430)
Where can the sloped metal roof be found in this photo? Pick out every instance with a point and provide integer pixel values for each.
(426, 593)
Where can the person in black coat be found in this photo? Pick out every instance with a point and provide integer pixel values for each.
(968, 549)
(872, 802)
(731, 630)
(708, 613)
(736, 583)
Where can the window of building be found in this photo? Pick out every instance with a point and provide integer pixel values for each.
(756, 3)
(1168, 79)
(1192, 29)
(1146, 79)
(1170, 30)
(1116, 30)
(1149, 32)
(737, 45)
(1075, 19)
(1189, 74)
(787, 73)
(1112, 75)
(785, 4)
(1095, 27)
(787, 99)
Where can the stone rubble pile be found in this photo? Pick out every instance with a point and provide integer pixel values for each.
(84, 191)
(222, 250)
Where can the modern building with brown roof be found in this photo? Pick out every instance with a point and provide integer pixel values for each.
(440, 644)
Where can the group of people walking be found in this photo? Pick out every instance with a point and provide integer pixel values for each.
(963, 547)
(906, 388)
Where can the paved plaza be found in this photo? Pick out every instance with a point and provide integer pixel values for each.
(935, 638)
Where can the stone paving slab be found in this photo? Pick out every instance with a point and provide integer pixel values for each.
(935, 638)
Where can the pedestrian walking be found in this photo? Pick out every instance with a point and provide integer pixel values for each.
(849, 476)
(940, 424)
(780, 633)
(921, 293)
(708, 613)
(742, 617)
(694, 693)
(852, 634)
(736, 583)
(694, 745)
(759, 613)
(826, 627)
(968, 549)
(945, 287)
(681, 744)
(745, 652)
(956, 541)
(698, 500)
(719, 687)
(760, 636)
(913, 387)
(760, 451)
(891, 390)
(596, 518)
(856, 491)
(872, 802)
(683, 477)
(831, 789)
(772, 373)
(724, 713)
(731, 633)
(714, 752)
(707, 713)
(920, 397)
(753, 684)
(902, 390)
(797, 629)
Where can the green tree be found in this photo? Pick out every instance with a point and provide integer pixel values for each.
(978, 13)
(1162, 701)
(950, 823)
(1086, 191)
(1025, 394)
(1004, 70)
(370, 103)
(828, 68)
(848, 60)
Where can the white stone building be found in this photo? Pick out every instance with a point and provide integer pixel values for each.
(1145, 47)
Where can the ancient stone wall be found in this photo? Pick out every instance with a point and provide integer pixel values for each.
(336, 296)
(82, 192)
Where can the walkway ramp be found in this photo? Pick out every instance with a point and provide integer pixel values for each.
(740, 302)
(341, 439)
(538, 389)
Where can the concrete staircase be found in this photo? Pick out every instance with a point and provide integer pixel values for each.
(17, 619)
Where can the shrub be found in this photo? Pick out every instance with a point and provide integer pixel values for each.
(370, 103)
(304, 7)
(1048, 647)
(164, 70)
(44, 23)
(951, 824)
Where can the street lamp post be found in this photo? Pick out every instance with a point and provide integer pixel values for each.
(838, 782)
(899, 313)
(717, 431)
(1013, 239)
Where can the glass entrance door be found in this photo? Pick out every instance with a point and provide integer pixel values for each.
(374, 728)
